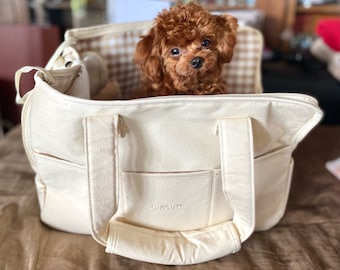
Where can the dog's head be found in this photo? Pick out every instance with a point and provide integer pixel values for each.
(186, 44)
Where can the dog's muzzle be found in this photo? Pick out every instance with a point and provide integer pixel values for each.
(197, 62)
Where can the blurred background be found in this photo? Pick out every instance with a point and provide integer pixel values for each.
(31, 30)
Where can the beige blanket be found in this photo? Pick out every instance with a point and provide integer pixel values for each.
(308, 237)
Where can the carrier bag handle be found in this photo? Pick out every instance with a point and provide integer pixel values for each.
(170, 247)
(45, 71)
(27, 69)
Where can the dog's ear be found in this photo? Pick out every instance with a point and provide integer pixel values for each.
(147, 57)
(226, 36)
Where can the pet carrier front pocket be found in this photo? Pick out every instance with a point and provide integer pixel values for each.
(173, 201)
(272, 186)
(56, 181)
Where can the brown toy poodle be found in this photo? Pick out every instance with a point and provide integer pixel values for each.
(184, 52)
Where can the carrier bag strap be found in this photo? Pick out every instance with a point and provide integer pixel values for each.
(170, 247)
(26, 69)
(101, 133)
(237, 165)
(45, 71)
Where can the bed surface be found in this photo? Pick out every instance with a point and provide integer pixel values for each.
(308, 236)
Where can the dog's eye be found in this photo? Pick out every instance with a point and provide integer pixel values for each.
(175, 51)
(206, 43)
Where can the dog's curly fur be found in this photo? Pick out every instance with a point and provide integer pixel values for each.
(184, 52)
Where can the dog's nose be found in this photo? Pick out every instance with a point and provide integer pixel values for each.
(197, 62)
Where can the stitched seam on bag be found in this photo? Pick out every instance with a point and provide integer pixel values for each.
(85, 123)
(288, 177)
(160, 101)
(54, 158)
(178, 178)
(26, 130)
(212, 197)
(176, 234)
(117, 185)
(223, 154)
(167, 176)
(252, 178)
(115, 239)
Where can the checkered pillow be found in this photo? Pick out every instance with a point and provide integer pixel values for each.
(116, 44)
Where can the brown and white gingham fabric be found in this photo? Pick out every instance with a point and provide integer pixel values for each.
(116, 44)
(243, 73)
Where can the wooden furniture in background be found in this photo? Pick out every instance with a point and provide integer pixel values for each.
(278, 21)
(308, 18)
(14, 11)
(22, 45)
(283, 18)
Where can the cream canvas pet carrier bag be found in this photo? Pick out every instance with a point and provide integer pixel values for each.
(170, 180)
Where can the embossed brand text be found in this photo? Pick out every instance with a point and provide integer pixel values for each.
(166, 207)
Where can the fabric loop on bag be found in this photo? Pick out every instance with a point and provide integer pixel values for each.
(47, 76)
